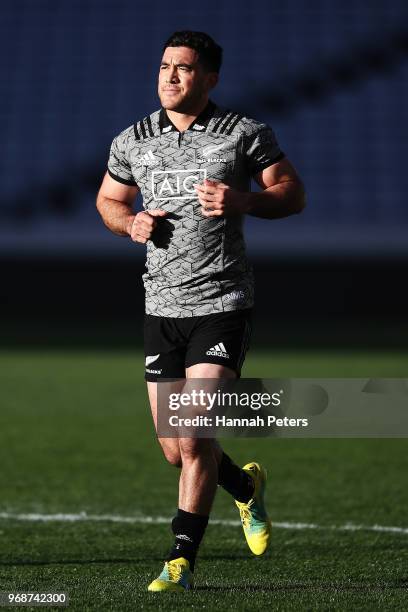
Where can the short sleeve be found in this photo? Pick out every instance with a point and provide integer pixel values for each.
(118, 165)
(262, 150)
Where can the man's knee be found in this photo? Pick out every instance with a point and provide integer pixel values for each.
(191, 448)
(171, 452)
(173, 458)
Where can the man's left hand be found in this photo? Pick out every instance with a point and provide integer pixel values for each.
(220, 200)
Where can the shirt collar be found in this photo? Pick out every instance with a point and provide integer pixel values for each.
(199, 124)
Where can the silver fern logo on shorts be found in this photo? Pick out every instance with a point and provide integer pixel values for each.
(151, 359)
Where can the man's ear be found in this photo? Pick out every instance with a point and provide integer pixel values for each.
(212, 79)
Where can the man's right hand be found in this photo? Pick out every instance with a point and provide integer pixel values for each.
(140, 227)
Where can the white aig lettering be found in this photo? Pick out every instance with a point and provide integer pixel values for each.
(168, 184)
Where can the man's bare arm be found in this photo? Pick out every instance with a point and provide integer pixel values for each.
(282, 195)
(115, 205)
(283, 192)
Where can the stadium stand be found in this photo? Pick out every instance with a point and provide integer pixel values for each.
(330, 77)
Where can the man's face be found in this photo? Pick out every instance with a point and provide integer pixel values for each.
(183, 82)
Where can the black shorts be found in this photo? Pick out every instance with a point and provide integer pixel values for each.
(172, 344)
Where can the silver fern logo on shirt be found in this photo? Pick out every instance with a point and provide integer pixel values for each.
(210, 153)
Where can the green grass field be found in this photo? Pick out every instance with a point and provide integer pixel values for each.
(76, 437)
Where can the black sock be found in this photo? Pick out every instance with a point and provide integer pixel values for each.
(235, 480)
(189, 529)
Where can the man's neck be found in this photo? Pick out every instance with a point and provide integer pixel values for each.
(182, 121)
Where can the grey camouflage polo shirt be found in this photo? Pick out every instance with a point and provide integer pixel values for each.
(195, 265)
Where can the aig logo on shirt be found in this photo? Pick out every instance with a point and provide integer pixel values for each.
(176, 184)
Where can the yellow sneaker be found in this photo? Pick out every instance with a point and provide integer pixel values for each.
(255, 521)
(176, 576)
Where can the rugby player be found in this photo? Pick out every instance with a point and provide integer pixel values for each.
(192, 160)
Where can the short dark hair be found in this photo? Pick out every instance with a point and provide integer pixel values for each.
(209, 53)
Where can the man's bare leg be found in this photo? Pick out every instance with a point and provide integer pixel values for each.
(200, 457)
(170, 446)
(198, 479)
(228, 473)
(204, 465)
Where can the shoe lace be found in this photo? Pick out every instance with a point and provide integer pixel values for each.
(245, 513)
(175, 570)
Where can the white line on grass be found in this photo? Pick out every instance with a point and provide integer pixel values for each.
(163, 520)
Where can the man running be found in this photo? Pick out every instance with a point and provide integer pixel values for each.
(193, 161)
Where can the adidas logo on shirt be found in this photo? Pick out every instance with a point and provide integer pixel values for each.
(218, 350)
(146, 158)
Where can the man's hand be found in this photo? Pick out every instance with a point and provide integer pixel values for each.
(140, 227)
(218, 199)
